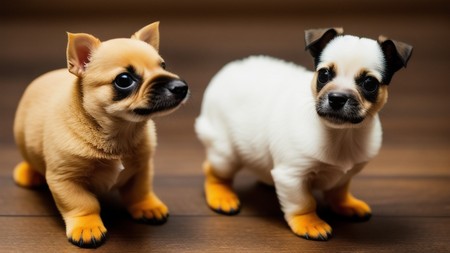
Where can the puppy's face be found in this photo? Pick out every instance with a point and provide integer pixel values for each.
(351, 78)
(348, 81)
(127, 79)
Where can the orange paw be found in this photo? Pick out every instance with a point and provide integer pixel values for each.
(151, 211)
(25, 176)
(310, 226)
(352, 208)
(86, 231)
(221, 198)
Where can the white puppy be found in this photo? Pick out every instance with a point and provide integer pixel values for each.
(299, 130)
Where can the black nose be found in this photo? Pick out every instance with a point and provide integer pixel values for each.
(337, 100)
(178, 88)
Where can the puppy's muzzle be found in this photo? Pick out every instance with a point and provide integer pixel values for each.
(168, 90)
(165, 94)
(340, 108)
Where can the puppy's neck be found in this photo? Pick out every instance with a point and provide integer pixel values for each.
(347, 146)
(112, 137)
(357, 130)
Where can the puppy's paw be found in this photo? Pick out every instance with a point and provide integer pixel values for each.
(86, 231)
(221, 198)
(150, 211)
(310, 226)
(352, 208)
(25, 176)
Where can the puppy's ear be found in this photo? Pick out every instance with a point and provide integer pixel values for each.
(317, 39)
(396, 55)
(79, 49)
(149, 34)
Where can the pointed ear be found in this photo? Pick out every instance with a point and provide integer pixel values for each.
(149, 34)
(317, 39)
(396, 55)
(79, 49)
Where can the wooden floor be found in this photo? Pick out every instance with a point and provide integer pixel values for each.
(407, 185)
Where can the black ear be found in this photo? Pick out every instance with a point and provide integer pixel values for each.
(317, 39)
(396, 55)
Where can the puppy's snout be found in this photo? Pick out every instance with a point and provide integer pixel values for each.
(337, 100)
(170, 88)
(178, 88)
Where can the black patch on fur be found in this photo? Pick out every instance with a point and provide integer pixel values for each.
(349, 113)
(331, 75)
(316, 46)
(369, 95)
(396, 55)
(164, 96)
(120, 93)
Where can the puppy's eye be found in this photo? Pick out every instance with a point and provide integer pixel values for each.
(163, 65)
(124, 81)
(370, 84)
(324, 76)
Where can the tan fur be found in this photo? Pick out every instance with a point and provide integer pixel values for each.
(219, 192)
(382, 98)
(69, 129)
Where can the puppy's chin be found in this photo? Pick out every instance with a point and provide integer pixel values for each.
(146, 113)
(133, 117)
(337, 123)
(340, 120)
(141, 114)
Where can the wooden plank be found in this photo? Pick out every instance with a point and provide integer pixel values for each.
(410, 161)
(232, 234)
(388, 196)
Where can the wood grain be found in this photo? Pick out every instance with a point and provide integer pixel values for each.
(407, 184)
(232, 234)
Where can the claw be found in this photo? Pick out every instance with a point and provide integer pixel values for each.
(310, 227)
(150, 211)
(154, 221)
(87, 232)
(231, 212)
(351, 208)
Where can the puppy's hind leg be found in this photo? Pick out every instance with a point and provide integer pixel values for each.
(26, 176)
(343, 203)
(138, 195)
(220, 196)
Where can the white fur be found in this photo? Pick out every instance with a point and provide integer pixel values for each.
(351, 54)
(259, 114)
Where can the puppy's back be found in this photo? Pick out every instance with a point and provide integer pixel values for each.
(241, 104)
(41, 99)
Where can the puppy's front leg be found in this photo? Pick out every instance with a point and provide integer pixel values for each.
(80, 210)
(138, 195)
(298, 204)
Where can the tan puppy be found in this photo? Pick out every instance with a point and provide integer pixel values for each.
(89, 130)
